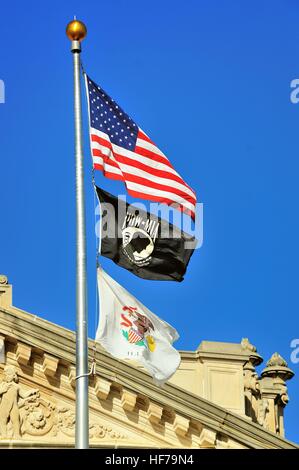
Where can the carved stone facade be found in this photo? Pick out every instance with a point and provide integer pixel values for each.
(266, 397)
(225, 373)
(25, 414)
(215, 400)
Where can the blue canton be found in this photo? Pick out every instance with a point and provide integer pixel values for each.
(106, 116)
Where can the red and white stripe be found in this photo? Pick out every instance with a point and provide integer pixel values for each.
(133, 336)
(146, 171)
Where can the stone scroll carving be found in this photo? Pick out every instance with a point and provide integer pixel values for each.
(25, 414)
(67, 421)
(38, 417)
(98, 431)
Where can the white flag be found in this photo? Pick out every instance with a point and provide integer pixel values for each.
(128, 330)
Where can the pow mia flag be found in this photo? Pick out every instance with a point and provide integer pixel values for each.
(143, 243)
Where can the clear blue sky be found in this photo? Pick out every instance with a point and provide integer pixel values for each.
(210, 82)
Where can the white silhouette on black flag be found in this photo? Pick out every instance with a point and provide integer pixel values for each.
(148, 246)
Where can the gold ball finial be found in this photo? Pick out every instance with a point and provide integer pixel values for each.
(76, 30)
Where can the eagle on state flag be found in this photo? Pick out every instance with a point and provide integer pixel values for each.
(129, 330)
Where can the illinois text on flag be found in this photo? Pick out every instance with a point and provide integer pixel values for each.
(128, 330)
(122, 151)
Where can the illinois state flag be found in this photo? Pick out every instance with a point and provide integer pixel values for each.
(128, 330)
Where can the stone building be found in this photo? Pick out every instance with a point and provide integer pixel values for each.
(215, 399)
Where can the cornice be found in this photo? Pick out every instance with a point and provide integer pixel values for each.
(59, 343)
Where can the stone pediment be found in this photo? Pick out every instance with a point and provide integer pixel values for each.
(37, 409)
(37, 396)
(38, 419)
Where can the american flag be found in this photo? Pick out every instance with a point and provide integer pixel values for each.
(122, 151)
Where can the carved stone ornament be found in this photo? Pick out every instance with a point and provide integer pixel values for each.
(247, 346)
(277, 367)
(263, 410)
(24, 413)
(12, 398)
(66, 421)
(284, 395)
(3, 279)
(276, 360)
(38, 418)
(99, 431)
(251, 381)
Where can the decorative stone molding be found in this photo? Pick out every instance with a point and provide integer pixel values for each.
(25, 414)
(262, 412)
(128, 400)
(207, 438)
(46, 416)
(274, 396)
(23, 353)
(13, 397)
(224, 442)
(276, 360)
(66, 421)
(2, 349)
(247, 346)
(99, 431)
(72, 376)
(102, 388)
(277, 371)
(251, 350)
(33, 416)
(277, 366)
(251, 390)
(50, 365)
(220, 444)
(251, 382)
(181, 425)
(3, 280)
(5, 292)
(154, 413)
(39, 417)
(265, 397)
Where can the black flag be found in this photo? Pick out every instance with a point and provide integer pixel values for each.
(141, 242)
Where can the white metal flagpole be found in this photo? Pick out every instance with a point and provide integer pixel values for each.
(76, 32)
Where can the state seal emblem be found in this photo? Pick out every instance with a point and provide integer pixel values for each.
(136, 328)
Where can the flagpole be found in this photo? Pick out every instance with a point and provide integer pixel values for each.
(76, 32)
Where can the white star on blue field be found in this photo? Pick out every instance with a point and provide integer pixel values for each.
(107, 116)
